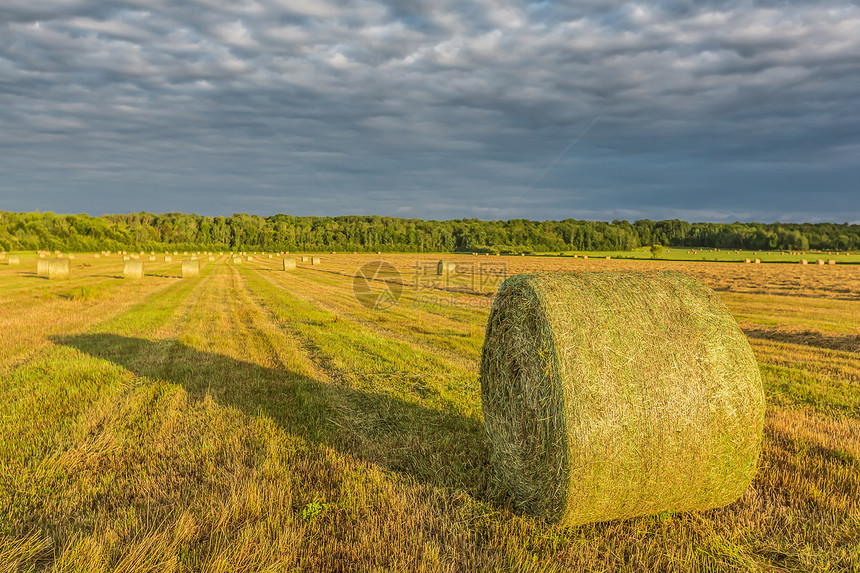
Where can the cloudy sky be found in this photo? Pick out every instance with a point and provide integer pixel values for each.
(593, 109)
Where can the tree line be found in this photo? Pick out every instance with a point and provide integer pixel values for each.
(169, 231)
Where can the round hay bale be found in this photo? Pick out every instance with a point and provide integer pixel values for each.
(616, 394)
(42, 267)
(168, 259)
(289, 264)
(758, 261)
(190, 269)
(819, 262)
(12, 260)
(306, 259)
(237, 260)
(804, 262)
(747, 261)
(133, 270)
(58, 269)
(315, 261)
(444, 267)
(831, 262)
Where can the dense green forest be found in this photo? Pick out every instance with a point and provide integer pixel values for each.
(31, 231)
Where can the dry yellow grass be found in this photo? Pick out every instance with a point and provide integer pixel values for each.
(254, 420)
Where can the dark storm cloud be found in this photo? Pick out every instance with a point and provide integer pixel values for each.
(715, 111)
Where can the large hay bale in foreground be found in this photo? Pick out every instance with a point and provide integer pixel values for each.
(445, 267)
(289, 264)
(133, 270)
(190, 269)
(42, 267)
(58, 269)
(610, 395)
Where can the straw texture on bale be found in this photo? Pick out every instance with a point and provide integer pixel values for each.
(133, 270)
(444, 267)
(42, 267)
(289, 264)
(190, 269)
(315, 261)
(616, 394)
(58, 269)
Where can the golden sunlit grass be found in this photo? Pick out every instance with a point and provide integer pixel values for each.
(252, 419)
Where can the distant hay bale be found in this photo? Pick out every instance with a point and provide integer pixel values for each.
(249, 258)
(585, 257)
(289, 264)
(13, 260)
(819, 262)
(757, 261)
(126, 257)
(306, 259)
(616, 394)
(445, 267)
(151, 258)
(237, 260)
(190, 269)
(42, 267)
(316, 261)
(608, 258)
(133, 270)
(831, 262)
(175, 253)
(270, 256)
(58, 269)
(168, 259)
(211, 257)
(96, 256)
(804, 262)
(747, 261)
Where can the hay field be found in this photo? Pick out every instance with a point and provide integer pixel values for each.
(253, 419)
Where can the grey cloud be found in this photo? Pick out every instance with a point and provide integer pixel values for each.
(721, 109)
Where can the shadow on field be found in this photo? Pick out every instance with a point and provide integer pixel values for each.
(441, 448)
